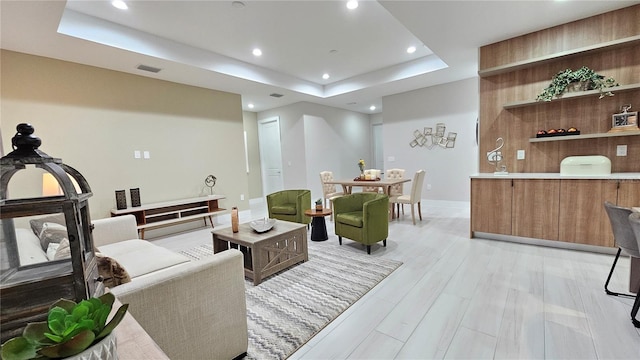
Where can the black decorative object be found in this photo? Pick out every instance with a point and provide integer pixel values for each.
(135, 197)
(121, 200)
(210, 181)
(26, 289)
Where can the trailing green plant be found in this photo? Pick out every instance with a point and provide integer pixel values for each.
(589, 79)
(70, 329)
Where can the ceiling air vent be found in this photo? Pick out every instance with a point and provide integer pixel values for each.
(276, 95)
(148, 68)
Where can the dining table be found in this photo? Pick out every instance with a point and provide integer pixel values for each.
(384, 184)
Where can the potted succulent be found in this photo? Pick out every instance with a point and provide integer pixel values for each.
(319, 204)
(70, 329)
(583, 78)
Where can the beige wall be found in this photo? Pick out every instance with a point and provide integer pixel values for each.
(94, 119)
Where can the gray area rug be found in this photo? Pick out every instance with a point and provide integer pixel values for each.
(289, 308)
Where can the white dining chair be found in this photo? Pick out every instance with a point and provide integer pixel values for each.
(329, 192)
(397, 189)
(415, 197)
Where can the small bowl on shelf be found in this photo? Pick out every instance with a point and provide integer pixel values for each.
(262, 225)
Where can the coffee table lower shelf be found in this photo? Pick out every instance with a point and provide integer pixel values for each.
(265, 253)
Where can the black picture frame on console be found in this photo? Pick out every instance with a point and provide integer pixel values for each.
(121, 199)
(135, 197)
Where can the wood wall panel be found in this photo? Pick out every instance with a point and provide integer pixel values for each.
(598, 29)
(588, 114)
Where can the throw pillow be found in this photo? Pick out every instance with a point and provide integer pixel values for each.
(36, 224)
(111, 271)
(51, 250)
(63, 251)
(51, 233)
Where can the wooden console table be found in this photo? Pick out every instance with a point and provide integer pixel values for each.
(156, 215)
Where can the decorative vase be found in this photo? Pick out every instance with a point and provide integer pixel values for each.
(234, 219)
(105, 349)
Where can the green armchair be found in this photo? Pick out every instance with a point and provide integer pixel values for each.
(289, 205)
(362, 217)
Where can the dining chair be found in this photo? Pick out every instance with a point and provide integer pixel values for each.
(397, 189)
(415, 197)
(374, 174)
(329, 192)
(624, 239)
(634, 221)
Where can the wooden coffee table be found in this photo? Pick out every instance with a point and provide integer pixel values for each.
(265, 253)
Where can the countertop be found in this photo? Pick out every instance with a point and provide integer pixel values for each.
(613, 176)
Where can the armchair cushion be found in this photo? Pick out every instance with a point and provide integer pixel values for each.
(285, 209)
(352, 218)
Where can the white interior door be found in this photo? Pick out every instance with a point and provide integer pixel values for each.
(270, 155)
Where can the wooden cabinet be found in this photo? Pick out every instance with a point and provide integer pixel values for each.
(156, 215)
(535, 208)
(566, 210)
(629, 193)
(582, 216)
(491, 206)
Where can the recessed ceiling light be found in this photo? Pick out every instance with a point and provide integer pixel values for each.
(250, 106)
(372, 107)
(411, 49)
(352, 4)
(119, 4)
(257, 52)
(325, 76)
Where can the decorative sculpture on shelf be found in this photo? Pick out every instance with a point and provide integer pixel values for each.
(210, 181)
(495, 158)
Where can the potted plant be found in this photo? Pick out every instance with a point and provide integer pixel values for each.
(70, 329)
(319, 204)
(584, 78)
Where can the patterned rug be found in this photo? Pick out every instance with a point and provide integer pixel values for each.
(289, 308)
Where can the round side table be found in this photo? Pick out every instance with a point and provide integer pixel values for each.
(318, 224)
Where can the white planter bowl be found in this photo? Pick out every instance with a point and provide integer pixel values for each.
(103, 350)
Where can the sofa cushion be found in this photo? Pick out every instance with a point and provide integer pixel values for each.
(63, 251)
(51, 233)
(284, 209)
(29, 248)
(36, 224)
(353, 218)
(140, 257)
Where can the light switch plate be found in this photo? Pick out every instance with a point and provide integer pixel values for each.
(621, 150)
(520, 154)
(136, 154)
(146, 155)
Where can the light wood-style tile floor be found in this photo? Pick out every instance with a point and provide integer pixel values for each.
(461, 298)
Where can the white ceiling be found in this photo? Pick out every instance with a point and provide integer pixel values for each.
(209, 43)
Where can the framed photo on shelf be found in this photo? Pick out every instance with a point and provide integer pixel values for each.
(627, 121)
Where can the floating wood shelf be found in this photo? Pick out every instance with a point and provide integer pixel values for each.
(518, 65)
(571, 95)
(585, 136)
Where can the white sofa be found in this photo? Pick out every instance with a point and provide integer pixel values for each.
(192, 309)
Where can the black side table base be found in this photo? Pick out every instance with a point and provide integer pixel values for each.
(319, 229)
